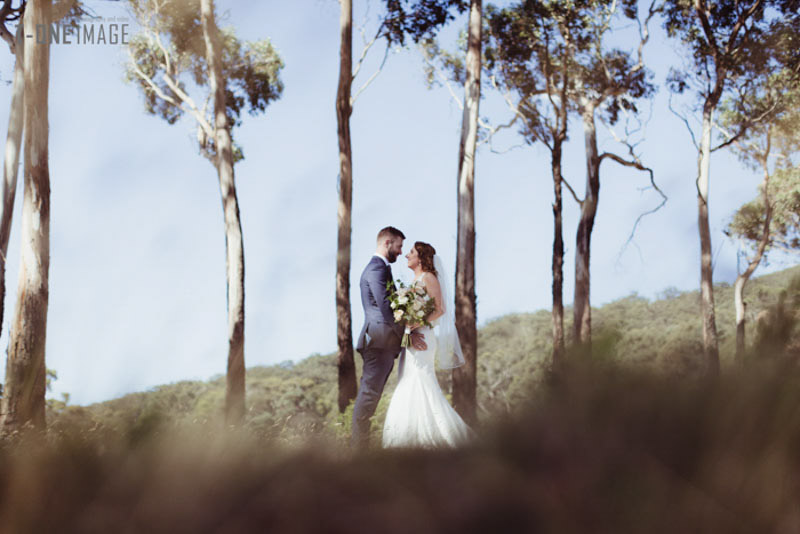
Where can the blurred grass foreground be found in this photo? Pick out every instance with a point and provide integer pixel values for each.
(614, 443)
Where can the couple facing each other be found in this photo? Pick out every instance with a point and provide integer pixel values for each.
(419, 414)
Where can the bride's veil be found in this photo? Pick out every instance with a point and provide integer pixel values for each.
(448, 347)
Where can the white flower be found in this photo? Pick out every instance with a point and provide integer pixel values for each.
(417, 305)
(403, 300)
(398, 314)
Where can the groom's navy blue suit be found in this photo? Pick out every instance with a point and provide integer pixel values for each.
(378, 343)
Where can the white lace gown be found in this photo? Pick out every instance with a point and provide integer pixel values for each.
(419, 414)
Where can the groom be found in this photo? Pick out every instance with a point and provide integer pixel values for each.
(379, 341)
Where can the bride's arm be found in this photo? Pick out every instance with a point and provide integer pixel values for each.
(435, 291)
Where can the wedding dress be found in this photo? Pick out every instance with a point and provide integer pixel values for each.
(419, 414)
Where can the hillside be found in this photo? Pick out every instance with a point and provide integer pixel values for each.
(292, 401)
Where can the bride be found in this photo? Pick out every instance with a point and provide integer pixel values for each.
(419, 414)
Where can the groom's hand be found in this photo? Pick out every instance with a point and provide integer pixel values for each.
(418, 341)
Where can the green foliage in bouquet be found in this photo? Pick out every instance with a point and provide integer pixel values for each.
(411, 305)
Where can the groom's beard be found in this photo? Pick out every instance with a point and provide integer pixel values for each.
(391, 257)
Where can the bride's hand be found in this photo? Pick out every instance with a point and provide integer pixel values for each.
(418, 341)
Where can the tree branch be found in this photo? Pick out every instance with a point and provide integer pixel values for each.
(636, 163)
(739, 23)
(644, 33)
(569, 187)
(364, 52)
(492, 130)
(374, 75)
(700, 7)
(743, 128)
(685, 121)
(6, 11)
(186, 99)
(161, 94)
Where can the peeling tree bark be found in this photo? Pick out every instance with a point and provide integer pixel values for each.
(558, 261)
(23, 400)
(582, 310)
(559, 136)
(465, 377)
(721, 55)
(16, 121)
(344, 320)
(710, 341)
(235, 384)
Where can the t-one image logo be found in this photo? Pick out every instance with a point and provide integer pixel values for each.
(95, 33)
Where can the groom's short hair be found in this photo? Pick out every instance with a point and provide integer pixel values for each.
(390, 231)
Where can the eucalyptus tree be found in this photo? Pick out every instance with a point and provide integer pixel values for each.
(729, 45)
(66, 12)
(549, 61)
(16, 45)
(398, 21)
(465, 377)
(23, 395)
(344, 108)
(531, 58)
(180, 46)
(607, 83)
(771, 145)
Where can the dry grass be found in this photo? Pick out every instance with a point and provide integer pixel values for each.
(605, 449)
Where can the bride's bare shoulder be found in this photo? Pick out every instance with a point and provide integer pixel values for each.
(430, 278)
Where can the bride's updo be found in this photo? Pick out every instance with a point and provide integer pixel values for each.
(426, 253)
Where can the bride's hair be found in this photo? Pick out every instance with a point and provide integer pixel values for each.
(426, 253)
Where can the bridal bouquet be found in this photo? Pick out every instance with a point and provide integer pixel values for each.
(411, 305)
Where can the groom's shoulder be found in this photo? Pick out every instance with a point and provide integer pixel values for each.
(374, 264)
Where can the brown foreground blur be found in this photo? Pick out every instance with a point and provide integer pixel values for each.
(602, 449)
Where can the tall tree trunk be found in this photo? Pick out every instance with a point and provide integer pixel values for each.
(710, 342)
(558, 262)
(234, 264)
(582, 304)
(16, 120)
(344, 320)
(465, 377)
(23, 399)
(742, 279)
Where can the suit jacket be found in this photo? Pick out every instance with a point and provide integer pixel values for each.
(380, 330)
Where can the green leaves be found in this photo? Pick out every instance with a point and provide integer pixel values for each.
(555, 49)
(784, 196)
(411, 304)
(171, 50)
(418, 19)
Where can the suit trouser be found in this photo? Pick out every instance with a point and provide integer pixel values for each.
(378, 364)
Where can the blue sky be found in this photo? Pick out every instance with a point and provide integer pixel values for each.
(137, 279)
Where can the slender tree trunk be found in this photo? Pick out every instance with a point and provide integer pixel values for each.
(582, 306)
(23, 399)
(344, 320)
(558, 262)
(235, 388)
(743, 278)
(559, 135)
(739, 306)
(710, 342)
(16, 121)
(465, 377)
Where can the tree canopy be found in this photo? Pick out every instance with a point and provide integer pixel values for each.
(169, 55)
